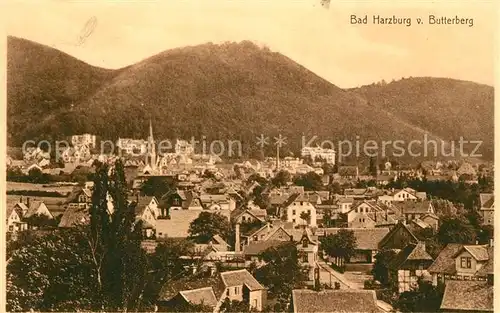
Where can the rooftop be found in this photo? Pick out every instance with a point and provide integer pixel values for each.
(345, 300)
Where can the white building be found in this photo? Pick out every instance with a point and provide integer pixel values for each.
(319, 153)
(299, 204)
(183, 147)
(132, 146)
(85, 139)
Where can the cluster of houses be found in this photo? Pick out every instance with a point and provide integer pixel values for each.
(380, 219)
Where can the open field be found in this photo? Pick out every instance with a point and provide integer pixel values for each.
(38, 187)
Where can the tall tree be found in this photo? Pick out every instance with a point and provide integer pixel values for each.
(282, 272)
(208, 224)
(456, 230)
(310, 181)
(340, 245)
(380, 271)
(50, 273)
(281, 178)
(121, 264)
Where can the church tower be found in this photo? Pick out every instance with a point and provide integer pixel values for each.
(152, 148)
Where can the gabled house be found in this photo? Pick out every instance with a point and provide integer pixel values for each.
(14, 219)
(248, 215)
(487, 208)
(398, 237)
(298, 205)
(37, 208)
(462, 262)
(415, 209)
(181, 200)
(237, 285)
(335, 301)
(308, 247)
(367, 240)
(217, 202)
(408, 265)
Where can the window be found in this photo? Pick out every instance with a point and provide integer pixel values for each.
(236, 290)
(301, 202)
(293, 212)
(465, 262)
(293, 220)
(254, 303)
(413, 273)
(304, 258)
(304, 243)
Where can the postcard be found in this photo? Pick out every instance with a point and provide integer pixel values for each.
(242, 156)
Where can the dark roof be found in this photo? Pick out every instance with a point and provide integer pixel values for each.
(171, 288)
(489, 267)
(467, 296)
(366, 238)
(412, 207)
(205, 296)
(74, 216)
(411, 252)
(445, 261)
(256, 248)
(240, 277)
(343, 300)
(487, 200)
(394, 230)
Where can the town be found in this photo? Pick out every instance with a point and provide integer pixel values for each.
(189, 232)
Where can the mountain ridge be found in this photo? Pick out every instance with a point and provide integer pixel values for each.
(232, 90)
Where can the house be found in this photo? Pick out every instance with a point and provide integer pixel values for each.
(341, 301)
(74, 216)
(398, 237)
(146, 215)
(298, 207)
(216, 243)
(432, 220)
(462, 262)
(357, 215)
(181, 200)
(248, 215)
(487, 208)
(37, 208)
(308, 250)
(14, 219)
(467, 296)
(151, 202)
(217, 202)
(345, 204)
(408, 265)
(81, 197)
(237, 285)
(367, 240)
(414, 209)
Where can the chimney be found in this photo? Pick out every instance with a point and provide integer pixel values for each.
(237, 245)
(28, 202)
(21, 199)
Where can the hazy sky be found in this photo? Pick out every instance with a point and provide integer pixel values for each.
(322, 40)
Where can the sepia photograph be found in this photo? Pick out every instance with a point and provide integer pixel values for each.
(249, 156)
